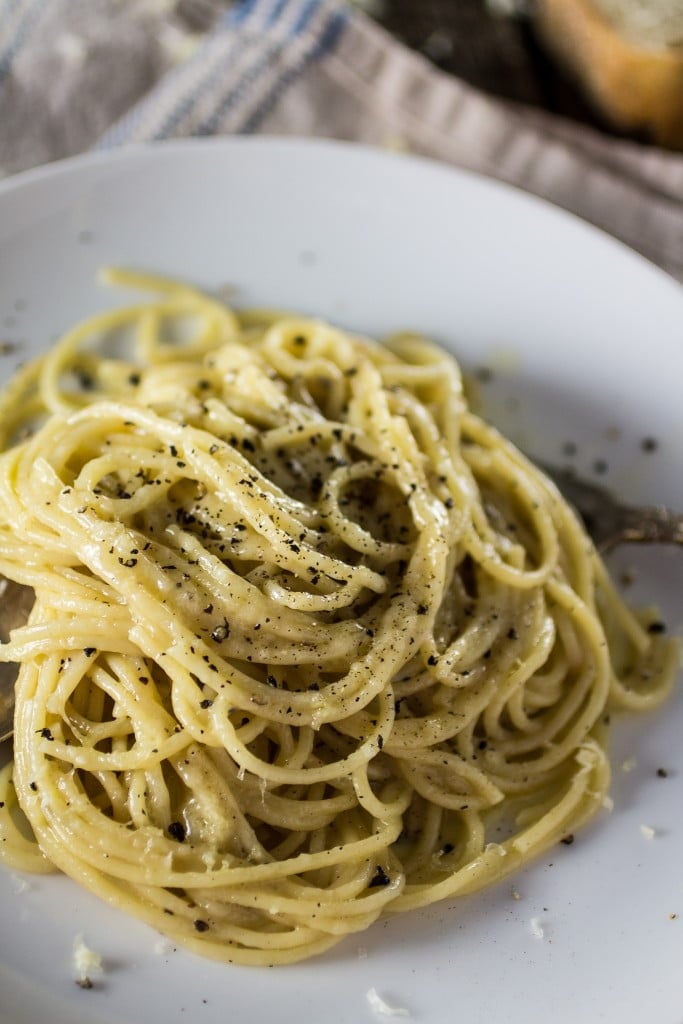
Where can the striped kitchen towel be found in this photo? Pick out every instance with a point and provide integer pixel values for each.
(77, 74)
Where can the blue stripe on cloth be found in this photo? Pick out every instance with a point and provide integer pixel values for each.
(239, 90)
(245, 11)
(308, 10)
(327, 41)
(244, 22)
(256, 13)
(319, 43)
(29, 19)
(277, 11)
(202, 88)
(241, 54)
(239, 13)
(128, 126)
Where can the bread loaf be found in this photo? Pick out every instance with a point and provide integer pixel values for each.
(628, 57)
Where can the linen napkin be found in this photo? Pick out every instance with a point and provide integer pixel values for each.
(78, 74)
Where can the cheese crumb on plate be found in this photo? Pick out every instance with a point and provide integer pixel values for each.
(383, 1009)
(87, 963)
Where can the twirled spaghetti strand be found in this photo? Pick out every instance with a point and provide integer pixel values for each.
(311, 643)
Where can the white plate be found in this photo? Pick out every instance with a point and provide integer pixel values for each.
(585, 341)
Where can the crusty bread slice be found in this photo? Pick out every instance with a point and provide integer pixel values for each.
(639, 88)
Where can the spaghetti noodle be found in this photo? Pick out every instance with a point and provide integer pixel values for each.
(311, 642)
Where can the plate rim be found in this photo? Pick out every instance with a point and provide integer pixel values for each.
(585, 233)
(35, 177)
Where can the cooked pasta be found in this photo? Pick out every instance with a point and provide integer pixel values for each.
(311, 642)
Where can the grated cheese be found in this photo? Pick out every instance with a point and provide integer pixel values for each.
(87, 963)
(383, 1009)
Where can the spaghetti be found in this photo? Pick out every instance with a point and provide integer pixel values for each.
(311, 643)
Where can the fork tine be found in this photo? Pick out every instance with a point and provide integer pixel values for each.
(610, 523)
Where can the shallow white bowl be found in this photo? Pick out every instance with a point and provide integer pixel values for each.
(583, 341)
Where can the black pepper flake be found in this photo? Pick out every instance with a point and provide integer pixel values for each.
(649, 444)
(657, 627)
(512, 633)
(128, 563)
(86, 380)
(662, 773)
(248, 445)
(316, 485)
(380, 742)
(432, 660)
(271, 680)
(600, 466)
(380, 878)
(221, 632)
(201, 926)
(206, 703)
(84, 982)
(177, 831)
(208, 609)
(33, 786)
(567, 840)
(422, 609)
(46, 734)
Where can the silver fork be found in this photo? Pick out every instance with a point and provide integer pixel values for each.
(607, 521)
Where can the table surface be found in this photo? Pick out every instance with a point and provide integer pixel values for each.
(500, 55)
